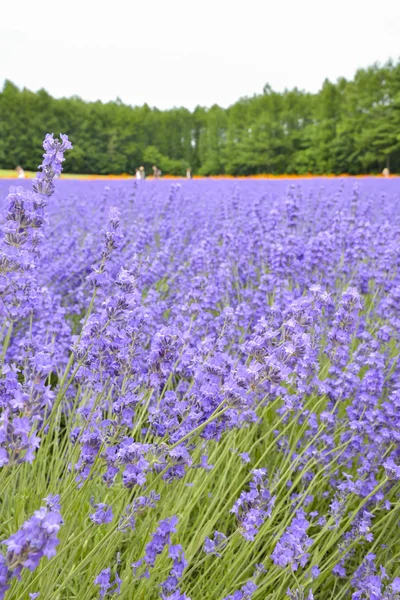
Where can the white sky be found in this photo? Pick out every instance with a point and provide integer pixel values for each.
(182, 53)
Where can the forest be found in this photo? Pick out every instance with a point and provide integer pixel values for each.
(350, 126)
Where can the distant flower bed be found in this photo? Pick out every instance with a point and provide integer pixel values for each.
(30, 175)
(199, 389)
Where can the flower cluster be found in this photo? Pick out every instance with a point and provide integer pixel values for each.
(107, 586)
(369, 584)
(244, 593)
(102, 514)
(156, 340)
(299, 594)
(161, 538)
(212, 546)
(36, 538)
(291, 548)
(254, 506)
(25, 393)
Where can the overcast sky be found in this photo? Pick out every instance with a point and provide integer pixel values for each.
(182, 53)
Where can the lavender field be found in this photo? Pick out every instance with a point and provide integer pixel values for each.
(199, 391)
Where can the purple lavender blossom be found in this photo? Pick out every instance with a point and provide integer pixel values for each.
(36, 538)
(175, 595)
(212, 546)
(248, 302)
(291, 548)
(103, 514)
(254, 506)
(315, 571)
(138, 507)
(245, 457)
(5, 576)
(245, 592)
(108, 587)
(171, 584)
(161, 538)
(23, 400)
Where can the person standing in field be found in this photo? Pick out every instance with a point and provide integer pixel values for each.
(20, 172)
(386, 172)
(156, 172)
(188, 173)
(142, 173)
(138, 175)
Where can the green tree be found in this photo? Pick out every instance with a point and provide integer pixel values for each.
(348, 126)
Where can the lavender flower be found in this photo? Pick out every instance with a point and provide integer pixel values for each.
(24, 399)
(160, 539)
(246, 591)
(212, 546)
(103, 514)
(291, 548)
(245, 457)
(138, 507)
(5, 576)
(170, 585)
(107, 586)
(210, 310)
(36, 538)
(254, 506)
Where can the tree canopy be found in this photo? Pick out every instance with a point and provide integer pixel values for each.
(347, 127)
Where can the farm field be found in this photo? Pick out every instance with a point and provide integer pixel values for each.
(199, 392)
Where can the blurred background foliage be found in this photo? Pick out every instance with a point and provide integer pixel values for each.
(347, 127)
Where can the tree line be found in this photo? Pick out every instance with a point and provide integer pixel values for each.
(347, 127)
